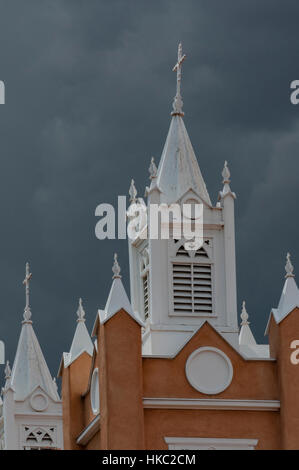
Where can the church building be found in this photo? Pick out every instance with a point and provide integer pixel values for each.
(169, 368)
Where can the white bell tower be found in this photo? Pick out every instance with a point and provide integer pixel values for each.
(31, 410)
(176, 290)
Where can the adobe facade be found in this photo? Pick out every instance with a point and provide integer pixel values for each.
(169, 368)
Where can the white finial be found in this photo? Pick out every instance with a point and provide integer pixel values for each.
(132, 192)
(244, 314)
(178, 102)
(27, 311)
(226, 174)
(289, 267)
(115, 268)
(7, 371)
(55, 383)
(152, 169)
(80, 311)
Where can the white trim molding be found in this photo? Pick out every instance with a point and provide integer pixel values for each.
(193, 443)
(211, 404)
(209, 370)
(88, 433)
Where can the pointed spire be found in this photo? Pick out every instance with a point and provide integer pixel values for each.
(244, 315)
(289, 298)
(27, 311)
(7, 371)
(152, 169)
(80, 312)
(81, 341)
(289, 267)
(116, 268)
(132, 192)
(178, 102)
(245, 337)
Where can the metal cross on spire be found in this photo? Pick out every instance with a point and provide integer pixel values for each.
(178, 102)
(27, 311)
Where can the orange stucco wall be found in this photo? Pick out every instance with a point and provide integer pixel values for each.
(251, 379)
(120, 366)
(74, 383)
(281, 336)
(125, 378)
(262, 425)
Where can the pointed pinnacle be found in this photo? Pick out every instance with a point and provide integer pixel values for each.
(289, 267)
(226, 173)
(244, 314)
(132, 192)
(7, 371)
(80, 312)
(116, 268)
(152, 169)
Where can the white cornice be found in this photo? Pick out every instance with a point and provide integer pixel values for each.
(89, 431)
(211, 404)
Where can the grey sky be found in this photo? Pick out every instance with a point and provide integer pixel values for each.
(89, 89)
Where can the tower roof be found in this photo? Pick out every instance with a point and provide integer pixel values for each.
(289, 298)
(178, 170)
(81, 341)
(117, 300)
(30, 368)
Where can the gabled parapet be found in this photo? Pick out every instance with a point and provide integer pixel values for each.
(283, 331)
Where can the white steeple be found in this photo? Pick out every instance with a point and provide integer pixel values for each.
(31, 405)
(174, 289)
(245, 336)
(81, 341)
(117, 299)
(30, 368)
(178, 170)
(290, 294)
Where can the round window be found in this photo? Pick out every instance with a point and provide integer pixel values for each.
(95, 392)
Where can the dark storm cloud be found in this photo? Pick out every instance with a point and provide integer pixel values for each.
(88, 95)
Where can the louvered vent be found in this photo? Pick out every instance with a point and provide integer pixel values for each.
(192, 288)
(145, 296)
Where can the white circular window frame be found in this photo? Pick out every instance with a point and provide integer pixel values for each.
(95, 392)
(204, 390)
(36, 405)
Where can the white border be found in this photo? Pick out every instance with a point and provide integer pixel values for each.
(209, 443)
(94, 389)
(203, 389)
(211, 404)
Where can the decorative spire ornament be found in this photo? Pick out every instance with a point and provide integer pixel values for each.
(55, 383)
(27, 311)
(116, 268)
(152, 169)
(244, 314)
(80, 312)
(132, 192)
(226, 174)
(178, 102)
(289, 267)
(7, 371)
